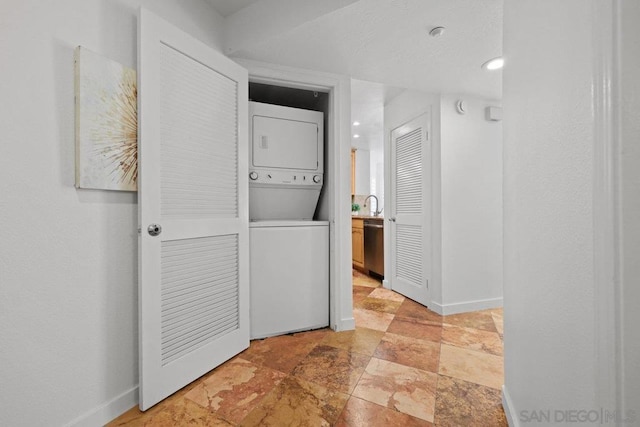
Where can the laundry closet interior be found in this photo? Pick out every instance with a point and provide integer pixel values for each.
(288, 210)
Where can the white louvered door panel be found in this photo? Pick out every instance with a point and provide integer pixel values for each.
(193, 296)
(410, 218)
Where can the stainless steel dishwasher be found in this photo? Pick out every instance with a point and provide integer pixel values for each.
(374, 246)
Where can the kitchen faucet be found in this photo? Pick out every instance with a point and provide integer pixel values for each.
(376, 212)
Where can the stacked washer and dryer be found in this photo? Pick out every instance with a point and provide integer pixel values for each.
(289, 251)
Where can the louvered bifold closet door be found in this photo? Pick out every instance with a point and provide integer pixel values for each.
(410, 170)
(193, 168)
(198, 182)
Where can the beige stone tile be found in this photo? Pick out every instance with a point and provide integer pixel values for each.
(360, 340)
(413, 310)
(416, 328)
(470, 365)
(405, 389)
(297, 402)
(173, 411)
(377, 304)
(461, 403)
(233, 389)
(361, 413)
(408, 351)
(360, 293)
(283, 352)
(332, 368)
(476, 319)
(360, 279)
(473, 339)
(372, 319)
(382, 293)
(324, 366)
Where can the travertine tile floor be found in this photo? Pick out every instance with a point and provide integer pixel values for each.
(403, 365)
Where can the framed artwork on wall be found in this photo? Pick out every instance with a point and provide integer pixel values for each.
(106, 123)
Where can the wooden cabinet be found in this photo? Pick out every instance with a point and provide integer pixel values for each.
(357, 242)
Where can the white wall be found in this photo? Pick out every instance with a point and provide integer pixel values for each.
(630, 194)
(376, 175)
(363, 172)
(471, 168)
(467, 199)
(548, 213)
(68, 258)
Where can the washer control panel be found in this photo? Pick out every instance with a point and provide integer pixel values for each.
(284, 177)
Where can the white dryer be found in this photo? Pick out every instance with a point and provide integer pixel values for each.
(289, 252)
(286, 162)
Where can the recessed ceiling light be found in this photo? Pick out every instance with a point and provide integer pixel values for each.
(356, 123)
(436, 32)
(356, 136)
(494, 64)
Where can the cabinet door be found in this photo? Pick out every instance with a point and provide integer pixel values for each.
(357, 240)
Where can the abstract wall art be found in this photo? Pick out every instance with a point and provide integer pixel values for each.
(106, 123)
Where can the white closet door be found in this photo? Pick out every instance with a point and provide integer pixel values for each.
(193, 284)
(410, 218)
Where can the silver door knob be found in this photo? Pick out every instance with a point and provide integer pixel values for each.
(253, 176)
(154, 229)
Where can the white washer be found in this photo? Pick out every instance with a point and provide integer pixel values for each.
(289, 276)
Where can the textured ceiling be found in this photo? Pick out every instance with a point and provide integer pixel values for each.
(382, 41)
(367, 108)
(387, 41)
(229, 7)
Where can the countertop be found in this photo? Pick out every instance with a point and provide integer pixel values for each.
(379, 217)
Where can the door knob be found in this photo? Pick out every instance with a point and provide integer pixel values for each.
(392, 219)
(154, 229)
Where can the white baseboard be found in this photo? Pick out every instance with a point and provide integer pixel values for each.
(509, 409)
(108, 411)
(347, 324)
(386, 284)
(466, 306)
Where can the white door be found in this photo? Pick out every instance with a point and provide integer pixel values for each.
(193, 284)
(410, 219)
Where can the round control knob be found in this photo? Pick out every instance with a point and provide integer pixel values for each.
(253, 176)
(316, 178)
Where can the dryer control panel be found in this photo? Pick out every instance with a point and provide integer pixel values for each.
(284, 177)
